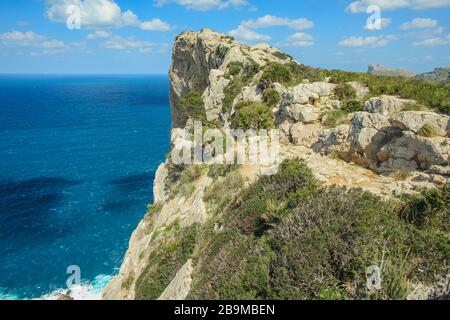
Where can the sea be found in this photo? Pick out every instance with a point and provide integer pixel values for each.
(78, 156)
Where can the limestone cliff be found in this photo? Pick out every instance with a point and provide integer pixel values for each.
(384, 144)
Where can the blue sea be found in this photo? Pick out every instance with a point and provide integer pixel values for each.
(78, 156)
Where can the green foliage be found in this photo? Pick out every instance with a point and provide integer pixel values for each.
(271, 97)
(429, 130)
(428, 209)
(164, 263)
(187, 178)
(253, 116)
(334, 118)
(345, 92)
(220, 193)
(282, 56)
(235, 68)
(301, 72)
(274, 72)
(191, 106)
(433, 95)
(287, 237)
(352, 106)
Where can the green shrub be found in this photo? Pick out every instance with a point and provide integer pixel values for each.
(220, 193)
(334, 118)
(301, 72)
(282, 56)
(191, 106)
(429, 130)
(235, 68)
(271, 97)
(345, 92)
(164, 262)
(253, 116)
(352, 106)
(274, 72)
(287, 237)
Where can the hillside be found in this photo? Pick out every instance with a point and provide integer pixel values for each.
(361, 179)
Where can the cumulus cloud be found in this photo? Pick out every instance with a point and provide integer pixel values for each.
(419, 23)
(372, 42)
(40, 44)
(132, 44)
(300, 39)
(99, 34)
(431, 42)
(100, 13)
(362, 5)
(243, 33)
(205, 5)
(273, 21)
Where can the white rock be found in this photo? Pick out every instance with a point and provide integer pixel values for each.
(385, 105)
(415, 120)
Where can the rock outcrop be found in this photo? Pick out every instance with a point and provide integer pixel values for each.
(440, 75)
(361, 151)
(379, 70)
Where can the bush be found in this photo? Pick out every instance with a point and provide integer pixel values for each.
(282, 56)
(164, 262)
(235, 68)
(301, 72)
(271, 97)
(191, 106)
(274, 72)
(253, 116)
(287, 237)
(345, 92)
(352, 106)
(429, 130)
(334, 118)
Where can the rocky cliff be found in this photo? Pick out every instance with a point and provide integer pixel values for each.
(242, 231)
(379, 70)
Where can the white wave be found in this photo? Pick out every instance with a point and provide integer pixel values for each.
(84, 291)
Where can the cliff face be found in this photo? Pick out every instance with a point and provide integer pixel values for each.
(385, 145)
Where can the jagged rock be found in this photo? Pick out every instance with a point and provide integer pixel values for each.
(385, 105)
(411, 152)
(441, 75)
(213, 95)
(160, 192)
(415, 120)
(179, 287)
(279, 88)
(300, 112)
(334, 139)
(303, 93)
(305, 134)
(379, 70)
(368, 133)
(251, 93)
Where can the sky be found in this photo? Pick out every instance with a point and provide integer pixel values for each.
(136, 36)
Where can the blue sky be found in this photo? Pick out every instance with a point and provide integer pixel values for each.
(135, 36)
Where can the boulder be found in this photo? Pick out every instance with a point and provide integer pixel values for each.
(305, 134)
(360, 89)
(385, 105)
(300, 112)
(415, 120)
(333, 139)
(305, 92)
(250, 93)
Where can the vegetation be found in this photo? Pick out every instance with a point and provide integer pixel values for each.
(191, 106)
(275, 72)
(429, 130)
(253, 115)
(282, 56)
(345, 92)
(433, 95)
(164, 262)
(288, 237)
(352, 106)
(335, 117)
(271, 97)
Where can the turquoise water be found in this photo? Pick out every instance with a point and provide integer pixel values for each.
(78, 156)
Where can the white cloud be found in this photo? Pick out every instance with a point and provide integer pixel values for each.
(436, 41)
(273, 21)
(100, 13)
(300, 39)
(99, 34)
(40, 44)
(419, 23)
(246, 34)
(372, 42)
(205, 5)
(362, 5)
(155, 25)
(132, 44)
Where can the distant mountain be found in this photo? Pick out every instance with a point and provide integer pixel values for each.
(441, 75)
(379, 70)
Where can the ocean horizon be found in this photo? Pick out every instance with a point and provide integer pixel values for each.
(79, 153)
